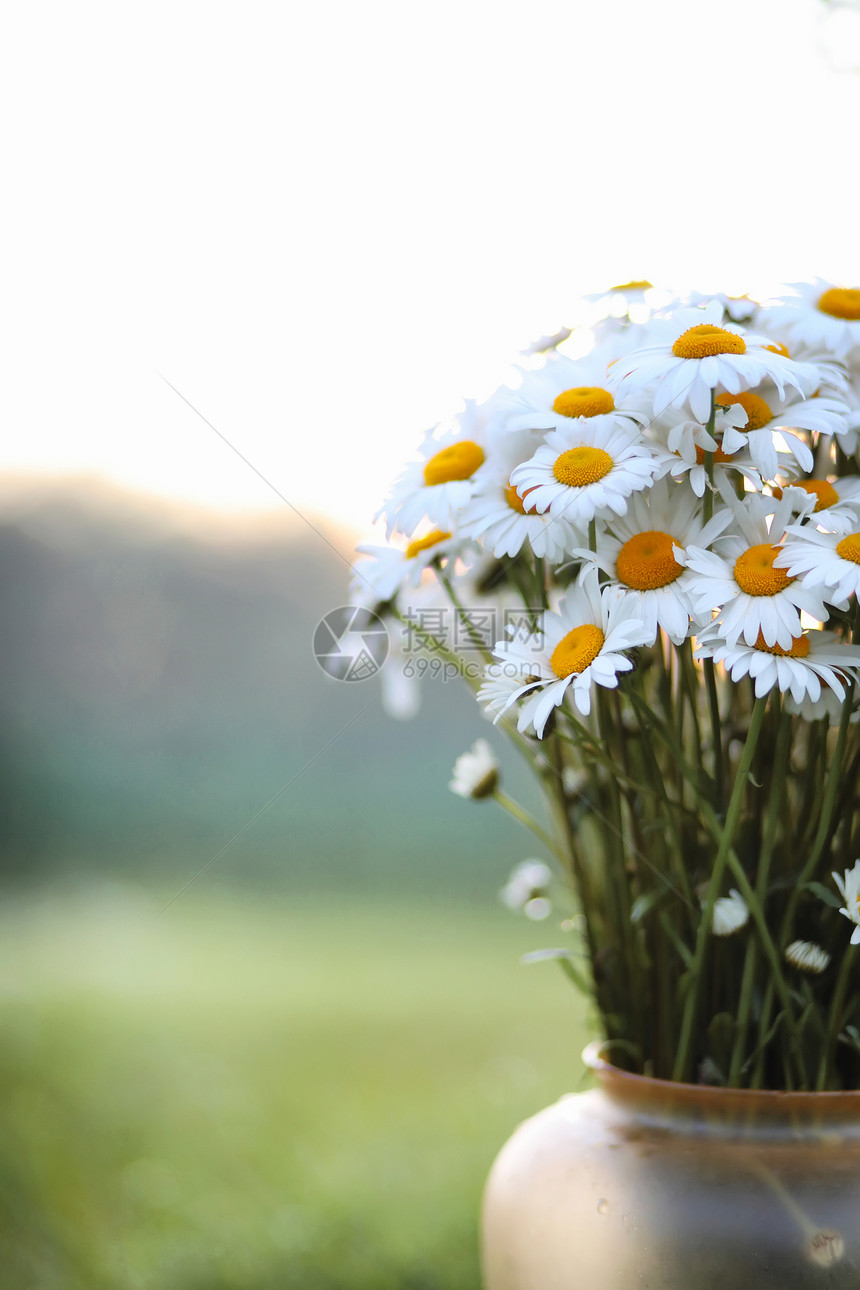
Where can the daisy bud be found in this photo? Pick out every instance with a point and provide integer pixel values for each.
(826, 1248)
(806, 956)
(476, 773)
(730, 914)
(525, 891)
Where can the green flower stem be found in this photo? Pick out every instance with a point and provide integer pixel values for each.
(436, 647)
(691, 1004)
(712, 823)
(474, 637)
(685, 653)
(835, 1020)
(772, 815)
(578, 871)
(768, 946)
(618, 878)
(540, 572)
(716, 729)
(520, 813)
(833, 780)
(669, 814)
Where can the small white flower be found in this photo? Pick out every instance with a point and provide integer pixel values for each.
(837, 502)
(812, 658)
(826, 1247)
(562, 391)
(818, 316)
(644, 555)
(770, 420)
(502, 684)
(685, 443)
(829, 705)
(387, 569)
(502, 520)
(730, 914)
(475, 773)
(552, 340)
(826, 562)
(806, 956)
(755, 596)
(579, 647)
(441, 482)
(526, 889)
(849, 890)
(588, 467)
(700, 354)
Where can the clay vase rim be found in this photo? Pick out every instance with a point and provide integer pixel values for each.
(646, 1090)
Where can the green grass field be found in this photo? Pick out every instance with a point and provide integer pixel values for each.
(261, 1097)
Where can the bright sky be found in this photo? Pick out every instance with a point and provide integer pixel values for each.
(324, 223)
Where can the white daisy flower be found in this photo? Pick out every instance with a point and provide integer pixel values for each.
(837, 502)
(700, 355)
(562, 390)
(730, 914)
(806, 956)
(588, 467)
(643, 553)
(389, 568)
(502, 684)
(579, 647)
(441, 482)
(626, 303)
(811, 658)
(503, 521)
(475, 773)
(849, 890)
(738, 309)
(829, 705)
(819, 316)
(829, 562)
(526, 889)
(552, 340)
(753, 594)
(769, 424)
(686, 444)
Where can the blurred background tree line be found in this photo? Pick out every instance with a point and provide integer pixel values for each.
(159, 688)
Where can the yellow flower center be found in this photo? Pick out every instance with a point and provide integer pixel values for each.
(584, 401)
(825, 494)
(514, 500)
(704, 341)
(841, 302)
(755, 574)
(646, 562)
(579, 467)
(457, 461)
(758, 413)
(849, 548)
(425, 542)
(632, 286)
(577, 650)
(778, 348)
(799, 647)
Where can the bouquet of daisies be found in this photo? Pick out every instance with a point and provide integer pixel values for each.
(643, 556)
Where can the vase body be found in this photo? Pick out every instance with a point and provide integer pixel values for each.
(644, 1183)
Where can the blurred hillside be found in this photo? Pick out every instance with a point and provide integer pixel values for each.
(158, 688)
